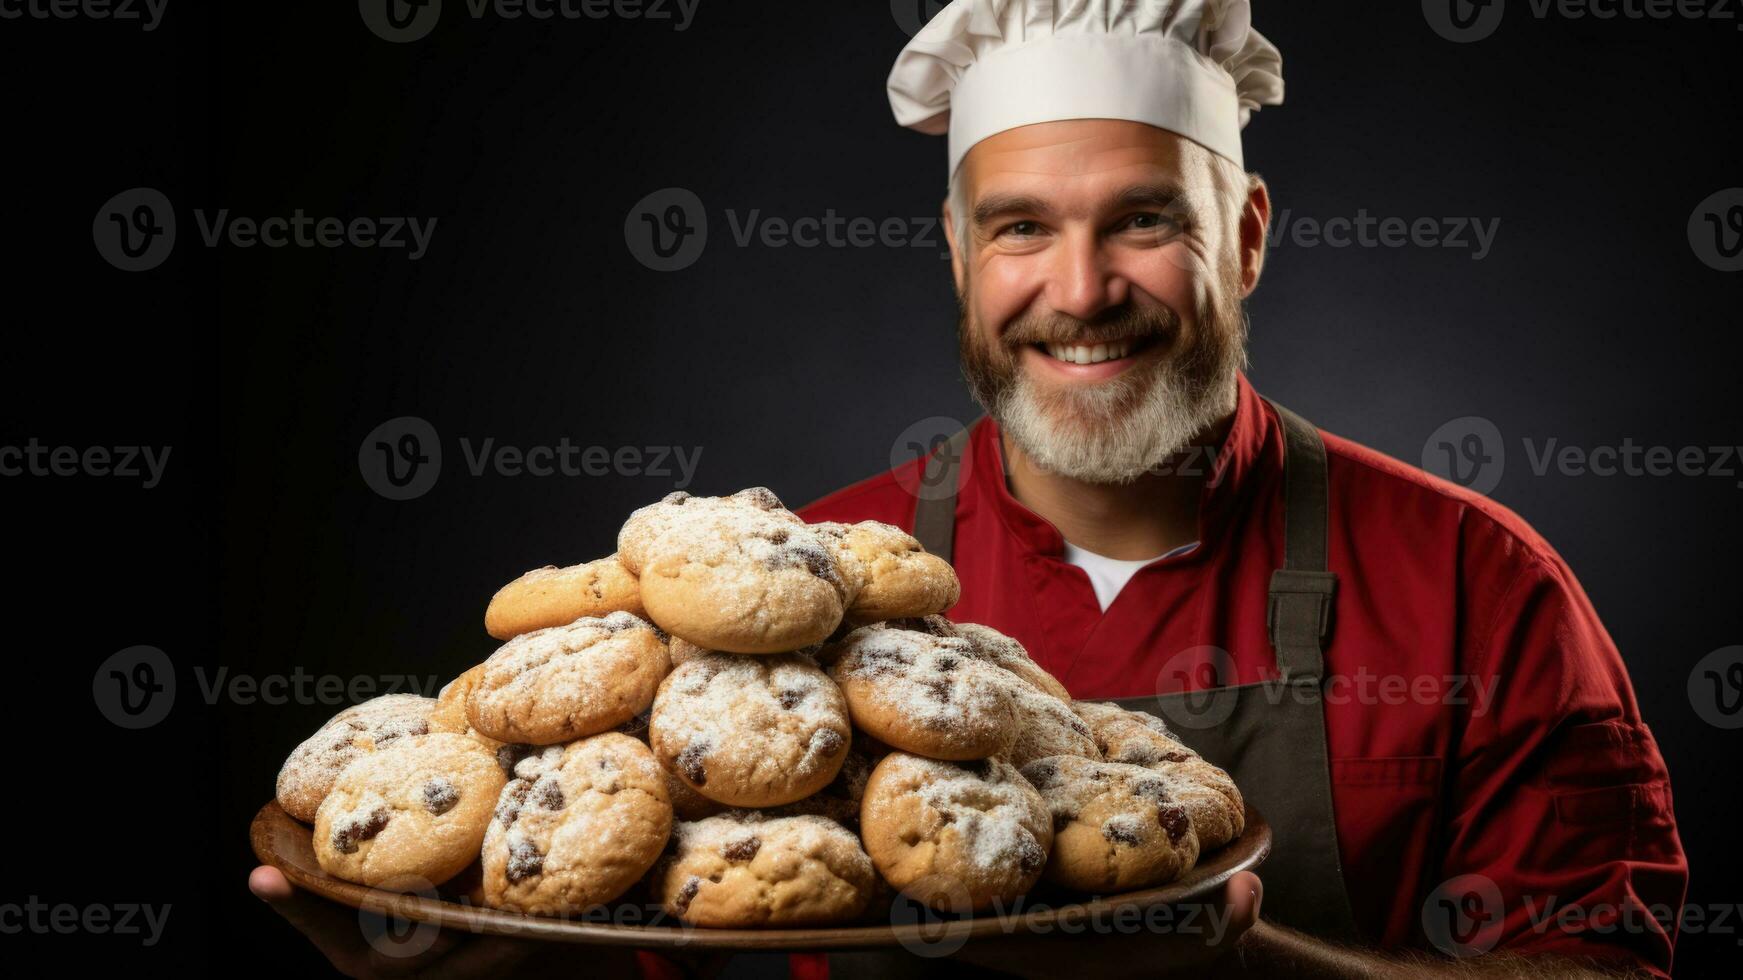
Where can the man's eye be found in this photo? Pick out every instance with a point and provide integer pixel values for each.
(1151, 220)
(1022, 229)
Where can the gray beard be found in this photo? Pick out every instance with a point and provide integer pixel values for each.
(1118, 430)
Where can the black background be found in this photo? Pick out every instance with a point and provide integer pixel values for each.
(529, 321)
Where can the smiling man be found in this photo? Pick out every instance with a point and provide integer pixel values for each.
(1402, 676)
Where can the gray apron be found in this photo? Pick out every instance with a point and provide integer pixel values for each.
(1274, 747)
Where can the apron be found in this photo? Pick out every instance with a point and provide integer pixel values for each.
(1274, 747)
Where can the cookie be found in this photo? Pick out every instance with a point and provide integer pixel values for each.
(309, 771)
(998, 649)
(413, 812)
(734, 577)
(449, 714)
(552, 596)
(888, 574)
(567, 682)
(646, 524)
(1116, 827)
(750, 731)
(1141, 739)
(746, 869)
(1047, 726)
(954, 836)
(925, 694)
(576, 827)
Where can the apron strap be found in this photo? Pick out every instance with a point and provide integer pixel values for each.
(1299, 614)
(935, 498)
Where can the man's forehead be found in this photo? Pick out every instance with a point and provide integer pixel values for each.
(1089, 151)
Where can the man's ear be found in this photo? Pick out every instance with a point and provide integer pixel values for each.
(957, 259)
(1255, 232)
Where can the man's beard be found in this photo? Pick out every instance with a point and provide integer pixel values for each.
(1111, 431)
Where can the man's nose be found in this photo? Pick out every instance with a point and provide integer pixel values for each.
(1082, 281)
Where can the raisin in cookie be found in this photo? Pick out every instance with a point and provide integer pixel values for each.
(567, 682)
(553, 596)
(576, 827)
(413, 812)
(745, 869)
(954, 836)
(1047, 726)
(750, 731)
(728, 574)
(1141, 739)
(309, 771)
(998, 649)
(1116, 827)
(929, 695)
(888, 574)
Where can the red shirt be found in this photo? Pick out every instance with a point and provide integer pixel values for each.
(1479, 719)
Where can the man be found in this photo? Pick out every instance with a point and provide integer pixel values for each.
(1146, 524)
(1403, 677)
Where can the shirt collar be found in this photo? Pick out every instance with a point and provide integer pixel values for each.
(1253, 446)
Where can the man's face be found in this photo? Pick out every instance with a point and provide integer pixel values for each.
(1101, 277)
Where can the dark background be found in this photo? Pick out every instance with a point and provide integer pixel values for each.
(529, 321)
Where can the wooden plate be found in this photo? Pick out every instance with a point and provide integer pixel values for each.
(285, 844)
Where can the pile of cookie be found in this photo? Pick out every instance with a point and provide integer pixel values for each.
(751, 721)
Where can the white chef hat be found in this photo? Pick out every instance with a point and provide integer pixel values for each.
(1192, 67)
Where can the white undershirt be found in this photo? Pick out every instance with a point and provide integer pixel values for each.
(1109, 575)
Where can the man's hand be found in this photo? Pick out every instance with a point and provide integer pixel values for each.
(1191, 941)
(334, 930)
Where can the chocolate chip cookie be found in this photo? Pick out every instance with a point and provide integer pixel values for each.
(745, 869)
(553, 596)
(925, 694)
(576, 827)
(411, 814)
(1116, 827)
(750, 730)
(567, 682)
(309, 771)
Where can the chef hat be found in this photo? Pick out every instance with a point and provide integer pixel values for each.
(1193, 67)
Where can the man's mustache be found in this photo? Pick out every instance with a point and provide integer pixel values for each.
(1125, 323)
